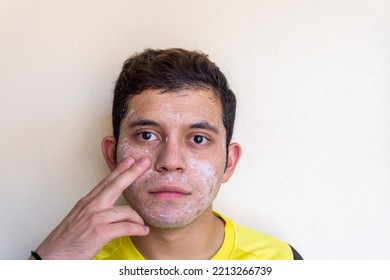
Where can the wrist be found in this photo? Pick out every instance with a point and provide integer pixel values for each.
(35, 256)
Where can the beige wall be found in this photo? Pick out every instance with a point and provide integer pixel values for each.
(312, 80)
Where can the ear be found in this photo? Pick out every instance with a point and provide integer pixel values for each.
(109, 151)
(232, 161)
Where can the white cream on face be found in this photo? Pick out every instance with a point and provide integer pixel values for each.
(203, 169)
(199, 179)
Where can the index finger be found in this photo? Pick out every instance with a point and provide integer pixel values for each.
(121, 182)
(120, 168)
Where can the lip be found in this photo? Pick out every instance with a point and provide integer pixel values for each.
(169, 192)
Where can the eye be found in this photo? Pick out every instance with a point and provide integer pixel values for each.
(147, 136)
(199, 139)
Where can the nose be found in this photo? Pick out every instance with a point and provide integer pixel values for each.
(171, 157)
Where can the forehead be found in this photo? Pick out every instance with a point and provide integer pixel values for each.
(186, 105)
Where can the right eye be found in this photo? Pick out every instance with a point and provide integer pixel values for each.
(147, 136)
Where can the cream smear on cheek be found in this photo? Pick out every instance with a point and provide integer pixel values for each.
(200, 179)
(124, 150)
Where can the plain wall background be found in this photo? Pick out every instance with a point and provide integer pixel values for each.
(312, 79)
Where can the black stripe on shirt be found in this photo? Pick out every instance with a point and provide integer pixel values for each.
(296, 255)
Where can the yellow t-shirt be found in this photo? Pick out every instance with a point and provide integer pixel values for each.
(240, 243)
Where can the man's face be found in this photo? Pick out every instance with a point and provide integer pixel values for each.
(183, 135)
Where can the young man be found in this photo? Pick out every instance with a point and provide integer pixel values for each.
(173, 116)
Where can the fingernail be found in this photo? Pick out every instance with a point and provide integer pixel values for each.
(143, 161)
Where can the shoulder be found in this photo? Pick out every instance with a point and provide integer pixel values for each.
(247, 243)
(261, 245)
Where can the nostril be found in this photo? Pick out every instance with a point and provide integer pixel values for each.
(171, 157)
(170, 162)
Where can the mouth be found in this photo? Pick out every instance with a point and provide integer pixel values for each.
(169, 192)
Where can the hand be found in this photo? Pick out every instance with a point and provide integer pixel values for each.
(94, 220)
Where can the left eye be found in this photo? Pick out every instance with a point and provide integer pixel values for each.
(147, 136)
(199, 139)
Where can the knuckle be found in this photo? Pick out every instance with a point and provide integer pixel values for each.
(105, 182)
(93, 204)
(99, 230)
(112, 184)
(82, 201)
(136, 230)
(95, 218)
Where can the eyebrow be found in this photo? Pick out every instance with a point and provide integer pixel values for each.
(142, 122)
(205, 125)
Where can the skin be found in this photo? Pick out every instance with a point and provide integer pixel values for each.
(169, 162)
(94, 220)
(185, 174)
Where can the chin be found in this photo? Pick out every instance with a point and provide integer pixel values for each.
(169, 219)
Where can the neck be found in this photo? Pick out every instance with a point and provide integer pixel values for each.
(200, 239)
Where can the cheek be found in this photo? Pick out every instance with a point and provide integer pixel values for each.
(202, 178)
(125, 150)
(204, 175)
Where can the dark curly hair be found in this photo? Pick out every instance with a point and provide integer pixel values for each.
(171, 70)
